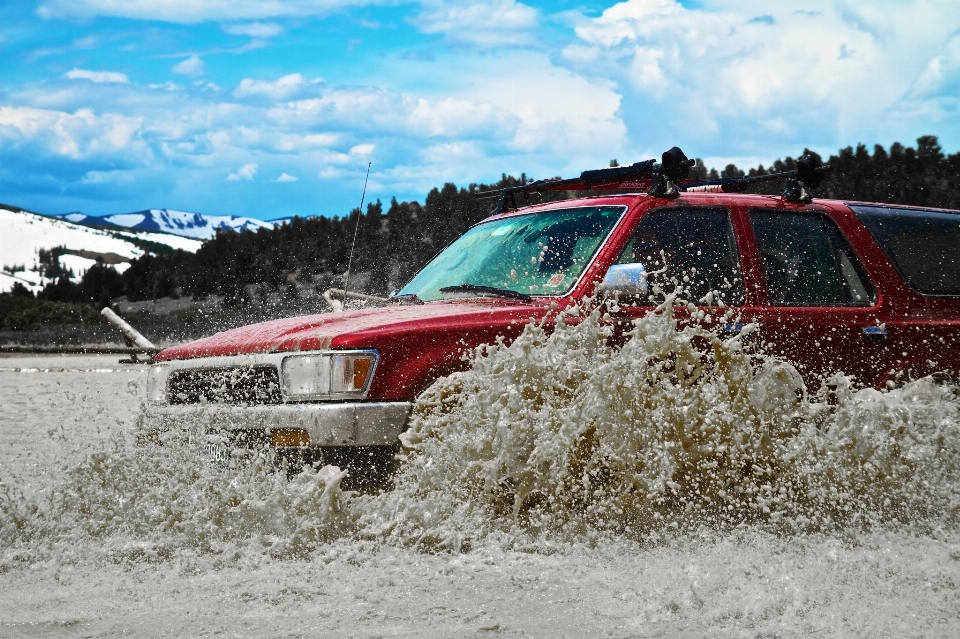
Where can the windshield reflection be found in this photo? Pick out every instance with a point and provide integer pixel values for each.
(535, 254)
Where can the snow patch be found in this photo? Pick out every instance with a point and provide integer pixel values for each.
(23, 234)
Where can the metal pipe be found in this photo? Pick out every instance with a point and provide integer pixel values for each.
(74, 350)
(129, 332)
(335, 293)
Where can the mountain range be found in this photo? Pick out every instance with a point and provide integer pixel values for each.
(23, 234)
(183, 223)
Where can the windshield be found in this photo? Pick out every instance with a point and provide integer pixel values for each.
(535, 254)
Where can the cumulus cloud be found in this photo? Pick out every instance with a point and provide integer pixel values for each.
(191, 11)
(497, 22)
(725, 79)
(799, 75)
(193, 65)
(245, 172)
(79, 135)
(300, 142)
(280, 89)
(96, 76)
(362, 149)
(255, 29)
(285, 177)
(377, 110)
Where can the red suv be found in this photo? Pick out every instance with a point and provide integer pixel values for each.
(872, 290)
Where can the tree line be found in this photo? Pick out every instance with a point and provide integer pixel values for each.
(393, 242)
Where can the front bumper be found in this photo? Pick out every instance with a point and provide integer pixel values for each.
(347, 424)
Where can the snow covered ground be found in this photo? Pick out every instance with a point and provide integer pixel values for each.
(195, 225)
(103, 538)
(23, 234)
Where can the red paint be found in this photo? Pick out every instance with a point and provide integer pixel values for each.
(420, 343)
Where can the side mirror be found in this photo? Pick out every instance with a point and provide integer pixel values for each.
(624, 281)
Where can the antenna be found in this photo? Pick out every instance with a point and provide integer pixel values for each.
(346, 279)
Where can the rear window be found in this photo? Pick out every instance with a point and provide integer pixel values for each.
(807, 262)
(923, 245)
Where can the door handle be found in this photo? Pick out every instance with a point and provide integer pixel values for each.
(733, 329)
(874, 334)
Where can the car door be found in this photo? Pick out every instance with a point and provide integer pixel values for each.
(690, 251)
(818, 306)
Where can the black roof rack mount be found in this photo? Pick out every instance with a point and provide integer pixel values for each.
(667, 179)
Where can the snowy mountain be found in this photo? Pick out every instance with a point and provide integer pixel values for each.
(23, 234)
(196, 225)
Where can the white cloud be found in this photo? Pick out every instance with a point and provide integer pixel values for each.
(299, 142)
(497, 22)
(552, 109)
(255, 29)
(245, 172)
(86, 42)
(191, 11)
(107, 177)
(78, 136)
(720, 73)
(190, 66)
(284, 177)
(362, 149)
(401, 114)
(203, 85)
(96, 76)
(280, 89)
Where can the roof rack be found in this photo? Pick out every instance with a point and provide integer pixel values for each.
(667, 178)
(801, 181)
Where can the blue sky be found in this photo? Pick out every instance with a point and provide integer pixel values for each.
(274, 108)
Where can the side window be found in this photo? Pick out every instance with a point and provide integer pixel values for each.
(693, 249)
(807, 262)
(923, 245)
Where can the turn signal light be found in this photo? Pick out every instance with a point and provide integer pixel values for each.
(361, 368)
(289, 437)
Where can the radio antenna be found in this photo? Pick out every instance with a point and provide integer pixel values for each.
(346, 279)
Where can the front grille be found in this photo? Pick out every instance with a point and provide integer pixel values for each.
(235, 385)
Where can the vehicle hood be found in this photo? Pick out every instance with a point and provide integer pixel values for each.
(354, 329)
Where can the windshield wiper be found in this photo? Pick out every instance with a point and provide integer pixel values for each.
(491, 290)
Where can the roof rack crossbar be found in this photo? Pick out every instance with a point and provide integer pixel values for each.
(658, 177)
(667, 178)
(598, 179)
(801, 181)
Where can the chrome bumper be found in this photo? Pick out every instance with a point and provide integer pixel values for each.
(354, 424)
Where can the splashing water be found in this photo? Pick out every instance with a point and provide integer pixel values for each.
(151, 502)
(558, 434)
(553, 439)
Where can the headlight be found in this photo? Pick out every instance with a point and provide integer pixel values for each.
(157, 383)
(328, 375)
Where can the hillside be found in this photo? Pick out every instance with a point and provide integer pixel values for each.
(24, 234)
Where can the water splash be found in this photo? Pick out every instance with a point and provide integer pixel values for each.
(553, 439)
(561, 436)
(154, 502)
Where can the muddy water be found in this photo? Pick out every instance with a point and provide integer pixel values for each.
(544, 496)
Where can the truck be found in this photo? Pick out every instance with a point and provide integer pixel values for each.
(869, 289)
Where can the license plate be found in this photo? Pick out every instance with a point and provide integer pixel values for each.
(215, 453)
